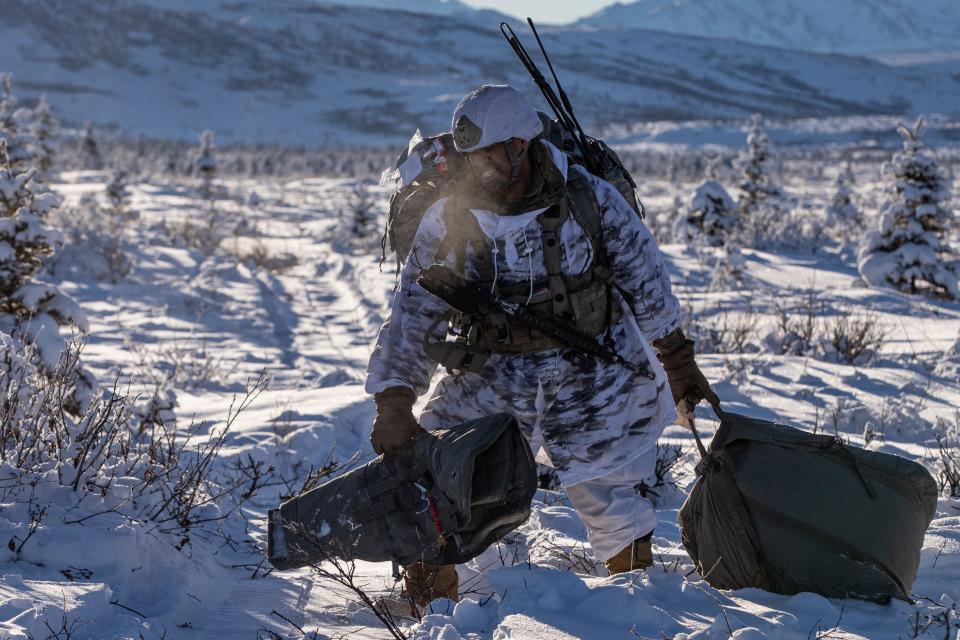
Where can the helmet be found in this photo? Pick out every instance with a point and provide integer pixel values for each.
(491, 114)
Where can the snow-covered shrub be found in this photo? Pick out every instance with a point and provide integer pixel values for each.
(845, 416)
(16, 373)
(175, 363)
(712, 213)
(909, 250)
(31, 134)
(948, 446)
(802, 329)
(723, 331)
(155, 411)
(661, 487)
(797, 329)
(854, 337)
(664, 225)
(259, 256)
(899, 413)
(205, 237)
(949, 363)
(30, 310)
(160, 477)
(206, 231)
(933, 618)
(728, 268)
(94, 243)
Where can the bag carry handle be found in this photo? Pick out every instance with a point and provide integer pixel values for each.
(685, 417)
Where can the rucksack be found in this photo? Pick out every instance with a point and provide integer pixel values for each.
(784, 510)
(427, 169)
(443, 500)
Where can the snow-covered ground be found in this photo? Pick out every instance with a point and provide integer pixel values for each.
(291, 292)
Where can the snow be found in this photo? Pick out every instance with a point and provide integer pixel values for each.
(204, 324)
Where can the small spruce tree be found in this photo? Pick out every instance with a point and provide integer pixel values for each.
(31, 311)
(118, 199)
(14, 126)
(362, 213)
(909, 249)
(92, 159)
(759, 192)
(757, 183)
(45, 131)
(844, 221)
(206, 167)
(8, 104)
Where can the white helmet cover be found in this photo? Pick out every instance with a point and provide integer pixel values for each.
(491, 114)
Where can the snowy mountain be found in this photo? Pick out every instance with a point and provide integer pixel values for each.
(303, 72)
(434, 7)
(848, 26)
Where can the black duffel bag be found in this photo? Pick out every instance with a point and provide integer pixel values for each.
(443, 500)
(786, 511)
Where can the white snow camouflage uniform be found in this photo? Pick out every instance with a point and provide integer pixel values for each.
(595, 421)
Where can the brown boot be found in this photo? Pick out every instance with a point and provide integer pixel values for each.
(424, 583)
(637, 555)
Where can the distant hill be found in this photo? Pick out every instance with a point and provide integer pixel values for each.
(435, 7)
(299, 71)
(844, 26)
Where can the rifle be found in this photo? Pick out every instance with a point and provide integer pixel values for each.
(471, 299)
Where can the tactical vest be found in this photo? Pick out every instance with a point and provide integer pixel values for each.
(582, 301)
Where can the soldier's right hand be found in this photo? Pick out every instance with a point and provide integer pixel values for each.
(394, 427)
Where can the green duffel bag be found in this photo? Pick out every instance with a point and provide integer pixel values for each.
(786, 511)
(443, 500)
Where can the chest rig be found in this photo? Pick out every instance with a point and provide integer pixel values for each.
(582, 302)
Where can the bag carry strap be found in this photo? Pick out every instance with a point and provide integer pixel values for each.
(717, 410)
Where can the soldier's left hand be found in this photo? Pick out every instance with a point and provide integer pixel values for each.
(686, 380)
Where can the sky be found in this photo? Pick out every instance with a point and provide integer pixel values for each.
(545, 11)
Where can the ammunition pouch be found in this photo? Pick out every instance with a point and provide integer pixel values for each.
(593, 311)
(462, 354)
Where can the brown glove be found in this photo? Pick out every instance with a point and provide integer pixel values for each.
(394, 427)
(685, 378)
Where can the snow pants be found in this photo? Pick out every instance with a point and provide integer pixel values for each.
(612, 510)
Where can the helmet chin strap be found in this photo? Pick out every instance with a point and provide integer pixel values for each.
(514, 159)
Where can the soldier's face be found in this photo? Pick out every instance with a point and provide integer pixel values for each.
(491, 164)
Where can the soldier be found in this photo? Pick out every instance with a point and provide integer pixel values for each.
(540, 231)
